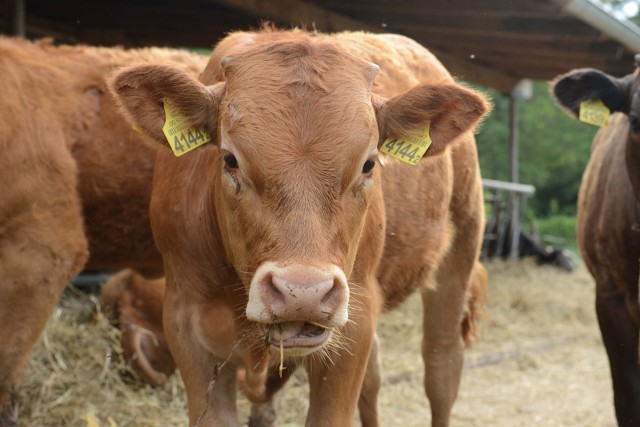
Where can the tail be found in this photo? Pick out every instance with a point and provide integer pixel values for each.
(475, 304)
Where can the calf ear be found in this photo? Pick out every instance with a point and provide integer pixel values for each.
(448, 109)
(570, 89)
(141, 89)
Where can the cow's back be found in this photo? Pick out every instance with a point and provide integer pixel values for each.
(55, 100)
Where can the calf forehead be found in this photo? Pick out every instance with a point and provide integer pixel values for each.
(299, 125)
(315, 64)
(288, 73)
(303, 99)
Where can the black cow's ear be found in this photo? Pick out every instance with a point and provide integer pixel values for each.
(570, 89)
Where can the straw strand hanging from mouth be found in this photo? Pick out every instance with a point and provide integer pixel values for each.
(281, 367)
(320, 325)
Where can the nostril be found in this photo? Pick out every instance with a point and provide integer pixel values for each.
(331, 293)
(279, 286)
(274, 288)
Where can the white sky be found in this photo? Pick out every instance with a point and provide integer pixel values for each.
(631, 8)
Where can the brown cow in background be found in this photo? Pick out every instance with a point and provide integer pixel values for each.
(288, 234)
(609, 222)
(75, 183)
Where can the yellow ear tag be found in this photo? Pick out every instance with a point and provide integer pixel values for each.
(181, 138)
(409, 149)
(594, 113)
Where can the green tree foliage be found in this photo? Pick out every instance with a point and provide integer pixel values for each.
(554, 150)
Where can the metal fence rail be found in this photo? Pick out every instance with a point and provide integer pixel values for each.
(508, 201)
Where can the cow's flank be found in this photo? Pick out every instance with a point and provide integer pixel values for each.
(285, 237)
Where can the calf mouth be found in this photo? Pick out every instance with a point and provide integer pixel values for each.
(297, 337)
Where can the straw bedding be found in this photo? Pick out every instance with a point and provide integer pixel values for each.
(539, 361)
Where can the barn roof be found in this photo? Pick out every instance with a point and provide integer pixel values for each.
(495, 43)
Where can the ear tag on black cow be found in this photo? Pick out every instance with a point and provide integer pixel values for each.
(409, 149)
(180, 136)
(594, 113)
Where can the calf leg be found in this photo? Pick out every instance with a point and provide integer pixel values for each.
(335, 385)
(620, 336)
(210, 379)
(211, 390)
(42, 247)
(263, 410)
(263, 414)
(442, 352)
(442, 344)
(368, 403)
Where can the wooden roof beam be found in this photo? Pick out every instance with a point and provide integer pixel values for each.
(295, 11)
(298, 12)
(480, 74)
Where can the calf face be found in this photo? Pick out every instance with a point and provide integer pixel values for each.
(618, 94)
(297, 131)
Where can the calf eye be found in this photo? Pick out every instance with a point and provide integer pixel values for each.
(368, 166)
(231, 161)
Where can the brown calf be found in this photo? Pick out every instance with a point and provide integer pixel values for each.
(75, 183)
(289, 233)
(609, 222)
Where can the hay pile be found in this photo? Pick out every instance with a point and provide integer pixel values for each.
(77, 376)
(539, 362)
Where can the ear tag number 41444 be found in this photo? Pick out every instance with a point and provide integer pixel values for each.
(180, 136)
(409, 149)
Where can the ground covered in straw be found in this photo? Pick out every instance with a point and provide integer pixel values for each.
(540, 362)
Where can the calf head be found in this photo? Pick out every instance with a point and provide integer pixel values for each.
(297, 132)
(584, 84)
(618, 94)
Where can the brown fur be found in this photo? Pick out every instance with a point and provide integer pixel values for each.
(608, 221)
(299, 114)
(75, 184)
(134, 304)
